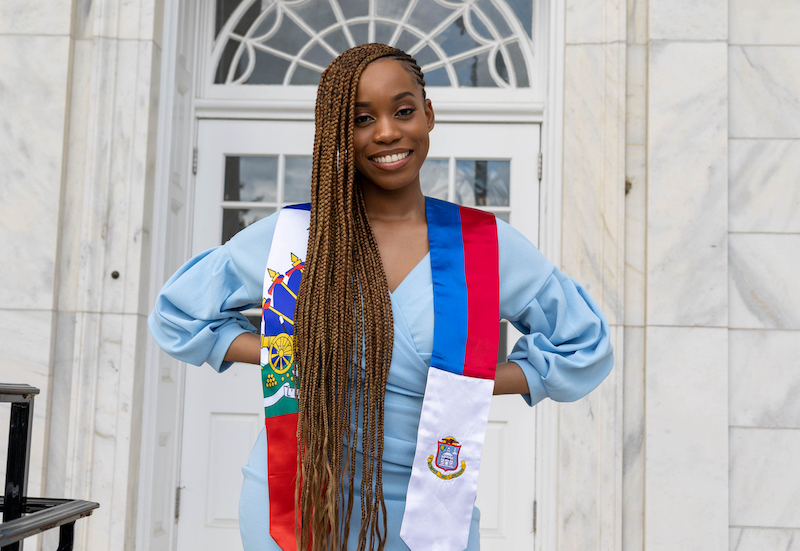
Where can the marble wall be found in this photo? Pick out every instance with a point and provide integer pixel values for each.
(711, 249)
(764, 259)
(78, 84)
(34, 78)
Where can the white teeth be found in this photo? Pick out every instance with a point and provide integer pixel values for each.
(391, 158)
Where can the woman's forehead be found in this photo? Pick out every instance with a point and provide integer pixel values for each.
(386, 77)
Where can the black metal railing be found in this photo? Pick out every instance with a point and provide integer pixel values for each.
(40, 514)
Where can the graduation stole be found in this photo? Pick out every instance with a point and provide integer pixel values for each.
(455, 408)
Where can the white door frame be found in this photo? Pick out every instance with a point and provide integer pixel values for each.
(183, 14)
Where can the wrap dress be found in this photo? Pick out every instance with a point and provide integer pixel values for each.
(564, 352)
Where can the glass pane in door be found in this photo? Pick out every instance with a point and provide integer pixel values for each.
(251, 178)
(297, 180)
(482, 183)
(479, 183)
(258, 185)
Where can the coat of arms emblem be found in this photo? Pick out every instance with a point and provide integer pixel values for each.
(447, 452)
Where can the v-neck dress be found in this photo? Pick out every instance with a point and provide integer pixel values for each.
(565, 350)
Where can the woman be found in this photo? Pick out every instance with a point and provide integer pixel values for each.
(367, 299)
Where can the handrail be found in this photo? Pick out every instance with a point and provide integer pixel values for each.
(42, 513)
(48, 516)
(17, 393)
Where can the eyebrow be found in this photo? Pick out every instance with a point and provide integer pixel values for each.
(399, 96)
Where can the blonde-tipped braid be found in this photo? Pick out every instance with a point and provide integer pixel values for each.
(343, 321)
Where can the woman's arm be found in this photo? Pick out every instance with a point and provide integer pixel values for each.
(510, 379)
(565, 348)
(245, 348)
(198, 314)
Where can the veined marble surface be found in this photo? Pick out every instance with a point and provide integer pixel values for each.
(764, 92)
(686, 442)
(594, 21)
(764, 186)
(589, 458)
(635, 184)
(636, 95)
(593, 219)
(764, 539)
(764, 486)
(121, 19)
(688, 19)
(764, 22)
(35, 17)
(633, 511)
(31, 149)
(764, 378)
(635, 235)
(637, 22)
(764, 269)
(687, 185)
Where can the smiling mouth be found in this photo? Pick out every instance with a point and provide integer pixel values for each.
(390, 158)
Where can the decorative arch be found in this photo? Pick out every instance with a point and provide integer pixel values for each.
(466, 43)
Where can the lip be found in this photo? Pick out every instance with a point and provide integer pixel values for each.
(395, 164)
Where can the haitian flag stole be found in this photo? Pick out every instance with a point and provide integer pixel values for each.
(278, 375)
(458, 393)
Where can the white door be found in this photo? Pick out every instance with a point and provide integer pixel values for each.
(248, 169)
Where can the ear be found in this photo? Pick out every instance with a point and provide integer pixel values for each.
(429, 114)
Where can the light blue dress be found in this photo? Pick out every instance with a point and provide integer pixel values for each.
(564, 352)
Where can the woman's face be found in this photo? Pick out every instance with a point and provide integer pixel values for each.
(392, 122)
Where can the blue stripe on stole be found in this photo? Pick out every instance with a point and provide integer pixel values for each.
(449, 285)
(300, 206)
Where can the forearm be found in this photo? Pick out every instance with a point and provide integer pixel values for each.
(509, 379)
(245, 348)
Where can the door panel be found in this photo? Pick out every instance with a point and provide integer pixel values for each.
(247, 170)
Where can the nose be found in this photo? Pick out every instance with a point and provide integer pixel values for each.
(386, 130)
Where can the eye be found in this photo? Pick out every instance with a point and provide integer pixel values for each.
(362, 119)
(405, 112)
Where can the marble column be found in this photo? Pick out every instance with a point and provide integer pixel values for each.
(686, 289)
(635, 277)
(590, 450)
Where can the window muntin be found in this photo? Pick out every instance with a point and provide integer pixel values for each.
(470, 43)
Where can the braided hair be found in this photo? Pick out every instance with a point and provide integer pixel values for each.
(344, 327)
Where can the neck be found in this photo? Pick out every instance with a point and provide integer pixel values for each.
(407, 204)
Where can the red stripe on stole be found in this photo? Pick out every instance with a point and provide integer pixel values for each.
(281, 477)
(479, 231)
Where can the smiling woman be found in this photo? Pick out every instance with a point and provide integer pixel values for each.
(391, 301)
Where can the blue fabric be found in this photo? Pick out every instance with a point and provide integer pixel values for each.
(564, 352)
(450, 304)
(299, 206)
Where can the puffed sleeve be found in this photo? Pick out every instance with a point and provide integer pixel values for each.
(198, 312)
(565, 350)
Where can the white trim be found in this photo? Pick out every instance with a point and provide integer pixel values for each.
(302, 109)
(306, 93)
(157, 261)
(547, 419)
(177, 14)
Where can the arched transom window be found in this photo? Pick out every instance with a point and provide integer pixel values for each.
(458, 43)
